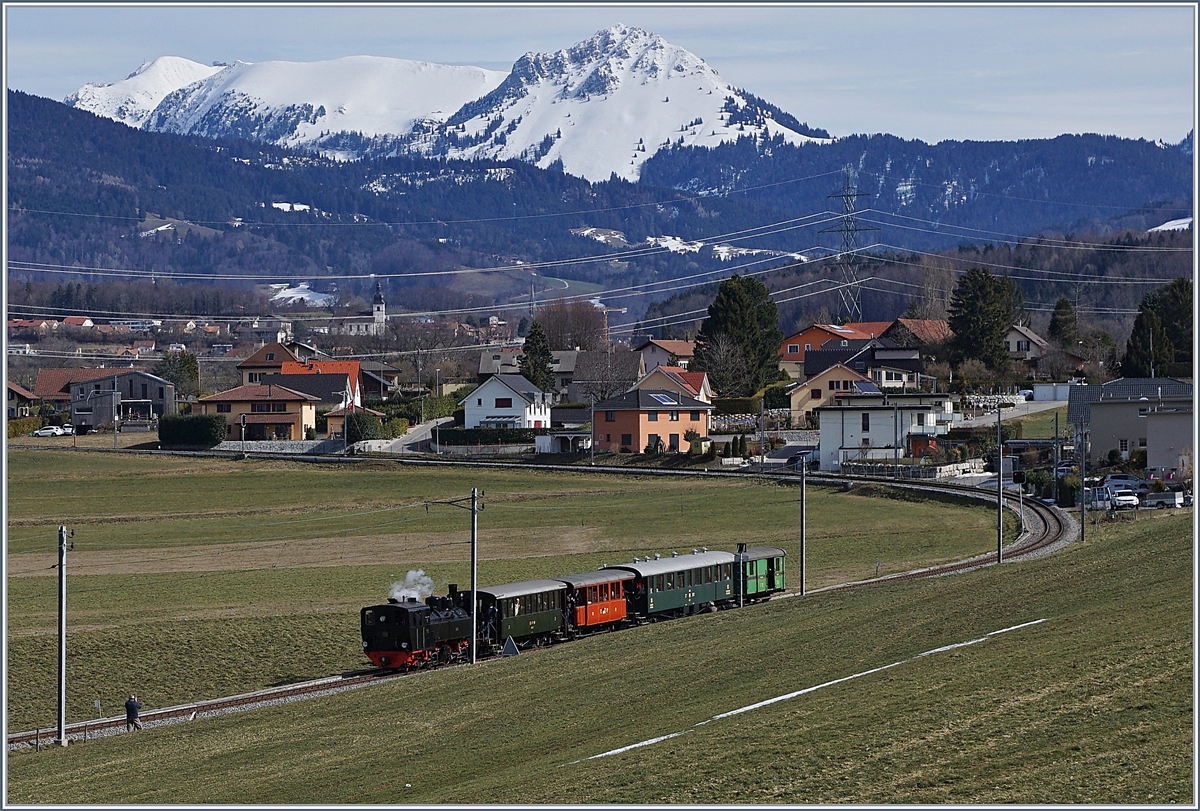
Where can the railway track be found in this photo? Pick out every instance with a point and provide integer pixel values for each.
(1044, 528)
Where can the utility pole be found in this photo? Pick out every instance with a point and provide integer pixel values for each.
(803, 528)
(1057, 459)
(116, 411)
(474, 508)
(63, 548)
(999, 490)
(1081, 451)
(592, 439)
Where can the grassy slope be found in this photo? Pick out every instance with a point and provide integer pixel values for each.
(175, 637)
(1093, 705)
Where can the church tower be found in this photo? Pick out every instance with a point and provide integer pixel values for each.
(378, 309)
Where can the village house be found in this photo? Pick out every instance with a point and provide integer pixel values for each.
(823, 388)
(649, 418)
(880, 427)
(1114, 415)
(266, 360)
(678, 380)
(664, 352)
(371, 323)
(507, 401)
(136, 399)
(21, 401)
(264, 411)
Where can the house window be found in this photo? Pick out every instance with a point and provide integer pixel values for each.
(279, 407)
(919, 419)
(626, 439)
(1022, 346)
(695, 416)
(503, 402)
(161, 393)
(652, 416)
(816, 394)
(1124, 445)
(866, 421)
(674, 416)
(1142, 442)
(610, 416)
(793, 349)
(807, 347)
(653, 440)
(254, 377)
(224, 408)
(270, 356)
(673, 443)
(478, 401)
(834, 385)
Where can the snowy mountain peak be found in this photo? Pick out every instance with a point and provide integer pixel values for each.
(133, 99)
(599, 108)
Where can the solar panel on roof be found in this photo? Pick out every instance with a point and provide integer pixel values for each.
(665, 399)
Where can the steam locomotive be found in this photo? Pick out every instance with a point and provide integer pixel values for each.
(410, 634)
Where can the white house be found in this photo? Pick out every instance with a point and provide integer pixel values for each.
(507, 401)
(880, 427)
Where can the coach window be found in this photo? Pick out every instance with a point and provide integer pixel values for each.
(659, 579)
(725, 567)
(670, 581)
(604, 592)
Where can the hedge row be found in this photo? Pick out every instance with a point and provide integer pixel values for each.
(737, 405)
(23, 426)
(192, 431)
(490, 436)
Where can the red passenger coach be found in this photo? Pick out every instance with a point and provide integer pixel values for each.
(596, 599)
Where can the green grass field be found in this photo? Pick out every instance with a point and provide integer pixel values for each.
(197, 578)
(1091, 705)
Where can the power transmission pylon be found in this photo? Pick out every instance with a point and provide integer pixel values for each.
(849, 228)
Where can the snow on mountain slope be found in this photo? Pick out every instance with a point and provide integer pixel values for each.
(601, 107)
(605, 105)
(132, 99)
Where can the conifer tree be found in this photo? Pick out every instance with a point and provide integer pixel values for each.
(980, 315)
(535, 361)
(1064, 328)
(1149, 351)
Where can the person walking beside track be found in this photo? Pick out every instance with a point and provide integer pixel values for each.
(132, 706)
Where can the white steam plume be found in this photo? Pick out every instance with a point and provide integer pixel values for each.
(416, 584)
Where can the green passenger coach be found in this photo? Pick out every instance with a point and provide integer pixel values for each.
(763, 572)
(681, 584)
(529, 611)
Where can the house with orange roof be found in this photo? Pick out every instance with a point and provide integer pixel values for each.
(352, 369)
(679, 380)
(791, 351)
(264, 411)
(665, 352)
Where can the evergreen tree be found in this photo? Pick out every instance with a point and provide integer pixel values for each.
(535, 361)
(744, 313)
(181, 369)
(1149, 351)
(1064, 327)
(979, 315)
(1173, 306)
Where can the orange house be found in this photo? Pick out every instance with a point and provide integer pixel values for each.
(791, 352)
(637, 419)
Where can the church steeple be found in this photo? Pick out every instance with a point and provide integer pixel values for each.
(378, 308)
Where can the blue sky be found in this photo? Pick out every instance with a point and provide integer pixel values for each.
(972, 71)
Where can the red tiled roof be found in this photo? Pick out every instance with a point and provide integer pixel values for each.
(52, 384)
(680, 349)
(869, 329)
(21, 391)
(926, 330)
(257, 392)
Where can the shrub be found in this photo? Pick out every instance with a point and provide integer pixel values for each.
(737, 405)
(192, 431)
(360, 426)
(23, 426)
(394, 428)
(490, 436)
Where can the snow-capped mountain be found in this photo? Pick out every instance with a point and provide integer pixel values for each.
(133, 99)
(607, 104)
(288, 103)
(599, 108)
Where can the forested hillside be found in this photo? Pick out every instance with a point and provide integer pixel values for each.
(114, 203)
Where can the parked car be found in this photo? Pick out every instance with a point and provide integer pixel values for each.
(48, 430)
(1123, 498)
(68, 429)
(1127, 480)
(1066, 468)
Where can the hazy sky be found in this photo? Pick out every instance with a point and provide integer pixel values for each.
(970, 71)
